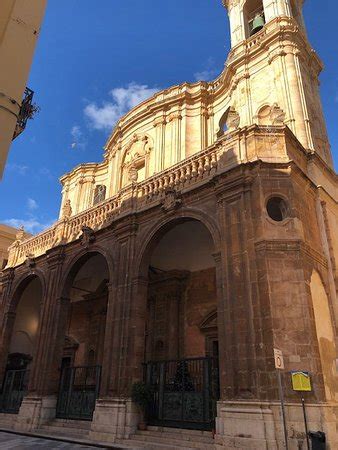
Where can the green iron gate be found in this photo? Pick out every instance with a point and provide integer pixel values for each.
(79, 389)
(14, 389)
(185, 392)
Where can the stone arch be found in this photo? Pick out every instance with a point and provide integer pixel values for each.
(263, 115)
(77, 261)
(209, 321)
(167, 223)
(271, 115)
(84, 301)
(22, 321)
(20, 285)
(325, 334)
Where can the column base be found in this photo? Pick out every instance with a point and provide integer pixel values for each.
(34, 412)
(258, 425)
(8, 420)
(114, 418)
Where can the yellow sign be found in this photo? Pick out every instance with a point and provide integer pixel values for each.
(301, 381)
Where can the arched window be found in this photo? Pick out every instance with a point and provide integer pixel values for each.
(99, 194)
(229, 121)
(254, 16)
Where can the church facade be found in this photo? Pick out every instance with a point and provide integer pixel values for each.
(206, 239)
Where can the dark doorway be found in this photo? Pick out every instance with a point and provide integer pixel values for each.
(184, 392)
(78, 392)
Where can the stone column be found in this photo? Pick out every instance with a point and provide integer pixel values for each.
(7, 318)
(40, 404)
(108, 339)
(243, 419)
(115, 416)
(160, 125)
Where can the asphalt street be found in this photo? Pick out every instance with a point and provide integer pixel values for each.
(9, 441)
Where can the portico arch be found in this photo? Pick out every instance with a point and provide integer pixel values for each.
(153, 235)
(84, 293)
(179, 284)
(20, 339)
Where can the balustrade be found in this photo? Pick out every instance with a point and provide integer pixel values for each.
(194, 169)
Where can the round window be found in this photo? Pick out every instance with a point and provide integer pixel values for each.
(277, 209)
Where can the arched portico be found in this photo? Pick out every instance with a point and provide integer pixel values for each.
(19, 343)
(80, 355)
(178, 289)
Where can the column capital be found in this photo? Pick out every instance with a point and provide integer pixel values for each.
(56, 256)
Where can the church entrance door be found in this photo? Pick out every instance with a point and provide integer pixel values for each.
(184, 392)
(15, 387)
(78, 392)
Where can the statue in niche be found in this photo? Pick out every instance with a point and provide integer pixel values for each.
(135, 163)
(66, 210)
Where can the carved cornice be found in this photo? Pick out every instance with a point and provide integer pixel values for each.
(55, 256)
(286, 246)
(214, 166)
(7, 276)
(125, 228)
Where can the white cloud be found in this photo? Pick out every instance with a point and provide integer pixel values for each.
(45, 172)
(123, 99)
(32, 204)
(78, 140)
(208, 73)
(31, 225)
(17, 168)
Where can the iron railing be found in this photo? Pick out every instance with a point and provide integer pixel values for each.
(185, 392)
(27, 111)
(14, 388)
(79, 388)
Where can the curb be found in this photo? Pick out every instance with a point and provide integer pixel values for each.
(71, 440)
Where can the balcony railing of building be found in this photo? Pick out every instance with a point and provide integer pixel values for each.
(200, 168)
(27, 111)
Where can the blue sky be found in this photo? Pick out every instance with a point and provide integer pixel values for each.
(95, 59)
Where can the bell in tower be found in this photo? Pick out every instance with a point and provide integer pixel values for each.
(257, 23)
(254, 17)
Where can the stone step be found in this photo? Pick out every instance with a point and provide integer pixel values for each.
(7, 420)
(182, 445)
(173, 438)
(172, 435)
(64, 431)
(179, 431)
(83, 424)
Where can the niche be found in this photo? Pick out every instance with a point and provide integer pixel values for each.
(135, 164)
(99, 194)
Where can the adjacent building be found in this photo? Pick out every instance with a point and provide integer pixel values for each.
(205, 239)
(20, 23)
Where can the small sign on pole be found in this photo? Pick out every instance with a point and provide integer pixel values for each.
(279, 360)
(279, 364)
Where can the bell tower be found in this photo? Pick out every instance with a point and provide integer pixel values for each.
(269, 47)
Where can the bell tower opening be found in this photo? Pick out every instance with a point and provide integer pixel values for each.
(254, 17)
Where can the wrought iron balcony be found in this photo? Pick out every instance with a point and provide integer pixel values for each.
(27, 111)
